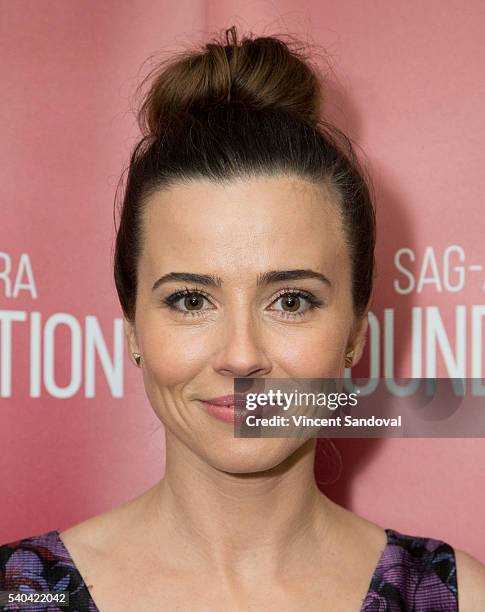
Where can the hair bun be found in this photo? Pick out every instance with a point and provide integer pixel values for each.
(258, 72)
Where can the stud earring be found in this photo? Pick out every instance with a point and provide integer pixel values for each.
(137, 357)
(349, 356)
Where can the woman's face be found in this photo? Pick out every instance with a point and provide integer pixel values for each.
(239, 323)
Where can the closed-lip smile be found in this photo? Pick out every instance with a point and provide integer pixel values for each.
(225, 408)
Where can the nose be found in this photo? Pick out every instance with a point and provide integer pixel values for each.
(241, 353)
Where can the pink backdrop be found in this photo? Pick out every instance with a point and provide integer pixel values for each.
(77, 433)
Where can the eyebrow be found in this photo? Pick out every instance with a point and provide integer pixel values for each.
(263, 279)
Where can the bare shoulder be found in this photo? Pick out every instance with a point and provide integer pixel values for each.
(85, 543)
(365, 539)
(98, 535)
(87, 534)
(470, 575)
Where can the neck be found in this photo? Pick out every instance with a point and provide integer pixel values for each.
(244, 522)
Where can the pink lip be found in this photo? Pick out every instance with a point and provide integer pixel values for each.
(227, 407)
(225, 412)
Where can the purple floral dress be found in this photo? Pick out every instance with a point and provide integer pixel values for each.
(414, 574)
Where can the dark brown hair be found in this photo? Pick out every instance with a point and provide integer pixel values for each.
(239, 109)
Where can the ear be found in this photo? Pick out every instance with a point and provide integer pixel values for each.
(131, 341)
(358, 338)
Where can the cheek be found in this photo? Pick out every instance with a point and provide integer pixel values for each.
(173, 354)
(312, 352)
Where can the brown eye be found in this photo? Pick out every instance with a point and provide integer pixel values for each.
(193, 301)
(188, 302)
(291, 303)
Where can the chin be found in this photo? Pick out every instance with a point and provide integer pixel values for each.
(251, 455)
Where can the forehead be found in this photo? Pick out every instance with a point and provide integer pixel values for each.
(253, 222)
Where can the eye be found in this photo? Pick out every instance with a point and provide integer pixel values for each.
(293, 299)
(192, 301)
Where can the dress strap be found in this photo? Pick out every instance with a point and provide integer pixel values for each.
(42, 563)
(414, 573)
